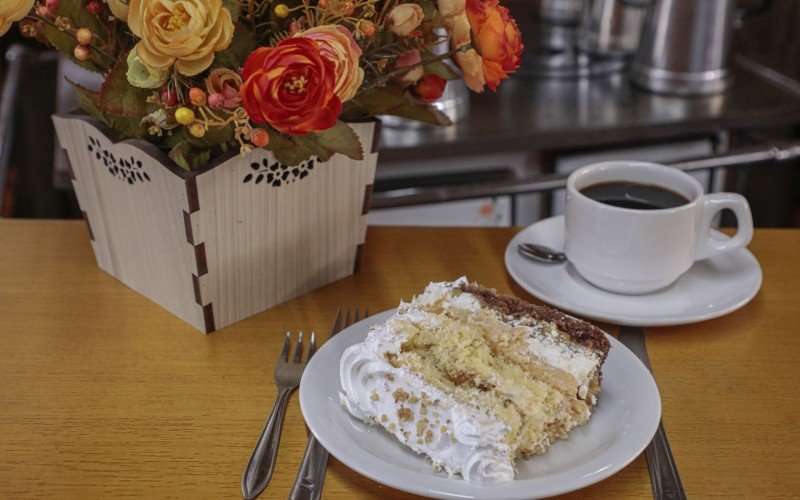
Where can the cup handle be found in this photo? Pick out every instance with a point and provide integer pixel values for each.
(707, 246)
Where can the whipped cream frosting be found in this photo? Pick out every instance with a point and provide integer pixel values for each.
(458, 438)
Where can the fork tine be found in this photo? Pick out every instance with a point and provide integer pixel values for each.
(347, 317)
(312, 346)
(298, 352)
(285, 350)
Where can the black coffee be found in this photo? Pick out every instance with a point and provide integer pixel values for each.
(634, 195)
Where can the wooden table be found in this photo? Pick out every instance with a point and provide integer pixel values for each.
(104, 394)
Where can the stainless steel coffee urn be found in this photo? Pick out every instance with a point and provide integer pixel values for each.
(685, 47)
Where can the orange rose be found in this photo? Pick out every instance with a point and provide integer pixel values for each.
(454, 19)
(497, 37)
(337, 44)
(291, 87)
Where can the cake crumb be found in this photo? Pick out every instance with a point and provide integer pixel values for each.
(413, 400)
(374, 396)
(444, 429)
(404, 414)
(400, 395)
(421, 426)
(392, 427)
(390, 377)
(429, 436)
(423, 410)
(384, 418)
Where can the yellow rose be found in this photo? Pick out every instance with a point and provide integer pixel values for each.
(12, 11)
(337, 44)
(119, 9)
(183, 33)
(454, 19)
(405, 18)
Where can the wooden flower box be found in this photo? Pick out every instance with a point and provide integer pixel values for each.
(220, 244)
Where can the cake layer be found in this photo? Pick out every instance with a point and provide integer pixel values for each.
(473, 379)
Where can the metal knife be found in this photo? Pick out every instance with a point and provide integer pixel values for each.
(664, 475)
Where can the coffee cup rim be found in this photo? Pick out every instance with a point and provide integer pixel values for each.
(572, 179)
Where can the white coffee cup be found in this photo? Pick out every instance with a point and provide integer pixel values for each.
(635, 251)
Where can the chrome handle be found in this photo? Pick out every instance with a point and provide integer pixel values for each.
(259, 469)
(311, 476)
(663, 470)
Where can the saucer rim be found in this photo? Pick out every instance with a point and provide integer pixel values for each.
(620, 319)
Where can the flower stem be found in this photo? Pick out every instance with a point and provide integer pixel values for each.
(92, 44)
(406, 69)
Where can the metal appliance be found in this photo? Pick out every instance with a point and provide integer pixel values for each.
(685, 47)
(611, 28)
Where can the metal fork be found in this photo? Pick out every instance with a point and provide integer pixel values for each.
(287, 376)
(311, 476)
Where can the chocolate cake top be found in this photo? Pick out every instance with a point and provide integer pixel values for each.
(580, 331)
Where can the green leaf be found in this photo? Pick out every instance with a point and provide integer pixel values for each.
(66, 44)
(75, 11)
(442, 69)
(286, 150)
(233, 6)
(119, 97)
(242, 44)
(310, 143)
(88, 100)
(341, 138)
(189, 158)
(388, 102)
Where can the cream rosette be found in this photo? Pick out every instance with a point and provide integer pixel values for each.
(12, 11)
(183, 33)
(337, 44)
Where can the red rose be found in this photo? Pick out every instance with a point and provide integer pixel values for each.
(290, 86)
(429, 88)
(498, 39)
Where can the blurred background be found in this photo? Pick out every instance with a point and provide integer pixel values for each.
(711, 86)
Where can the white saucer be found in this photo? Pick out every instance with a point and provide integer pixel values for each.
(624, 421)
(711, 288)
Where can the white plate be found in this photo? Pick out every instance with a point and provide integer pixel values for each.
(711, 288)
(626, 417)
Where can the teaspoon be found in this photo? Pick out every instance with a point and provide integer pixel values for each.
(541, 253)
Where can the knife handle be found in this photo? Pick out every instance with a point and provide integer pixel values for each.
(311, 476)
(663, 471)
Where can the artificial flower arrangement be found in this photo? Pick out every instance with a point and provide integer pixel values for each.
(201, 77)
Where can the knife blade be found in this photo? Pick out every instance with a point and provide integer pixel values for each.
(664, 477)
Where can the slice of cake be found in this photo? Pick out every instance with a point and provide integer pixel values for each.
(473, 379)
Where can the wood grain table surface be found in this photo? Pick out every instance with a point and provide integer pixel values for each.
(105, 394)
